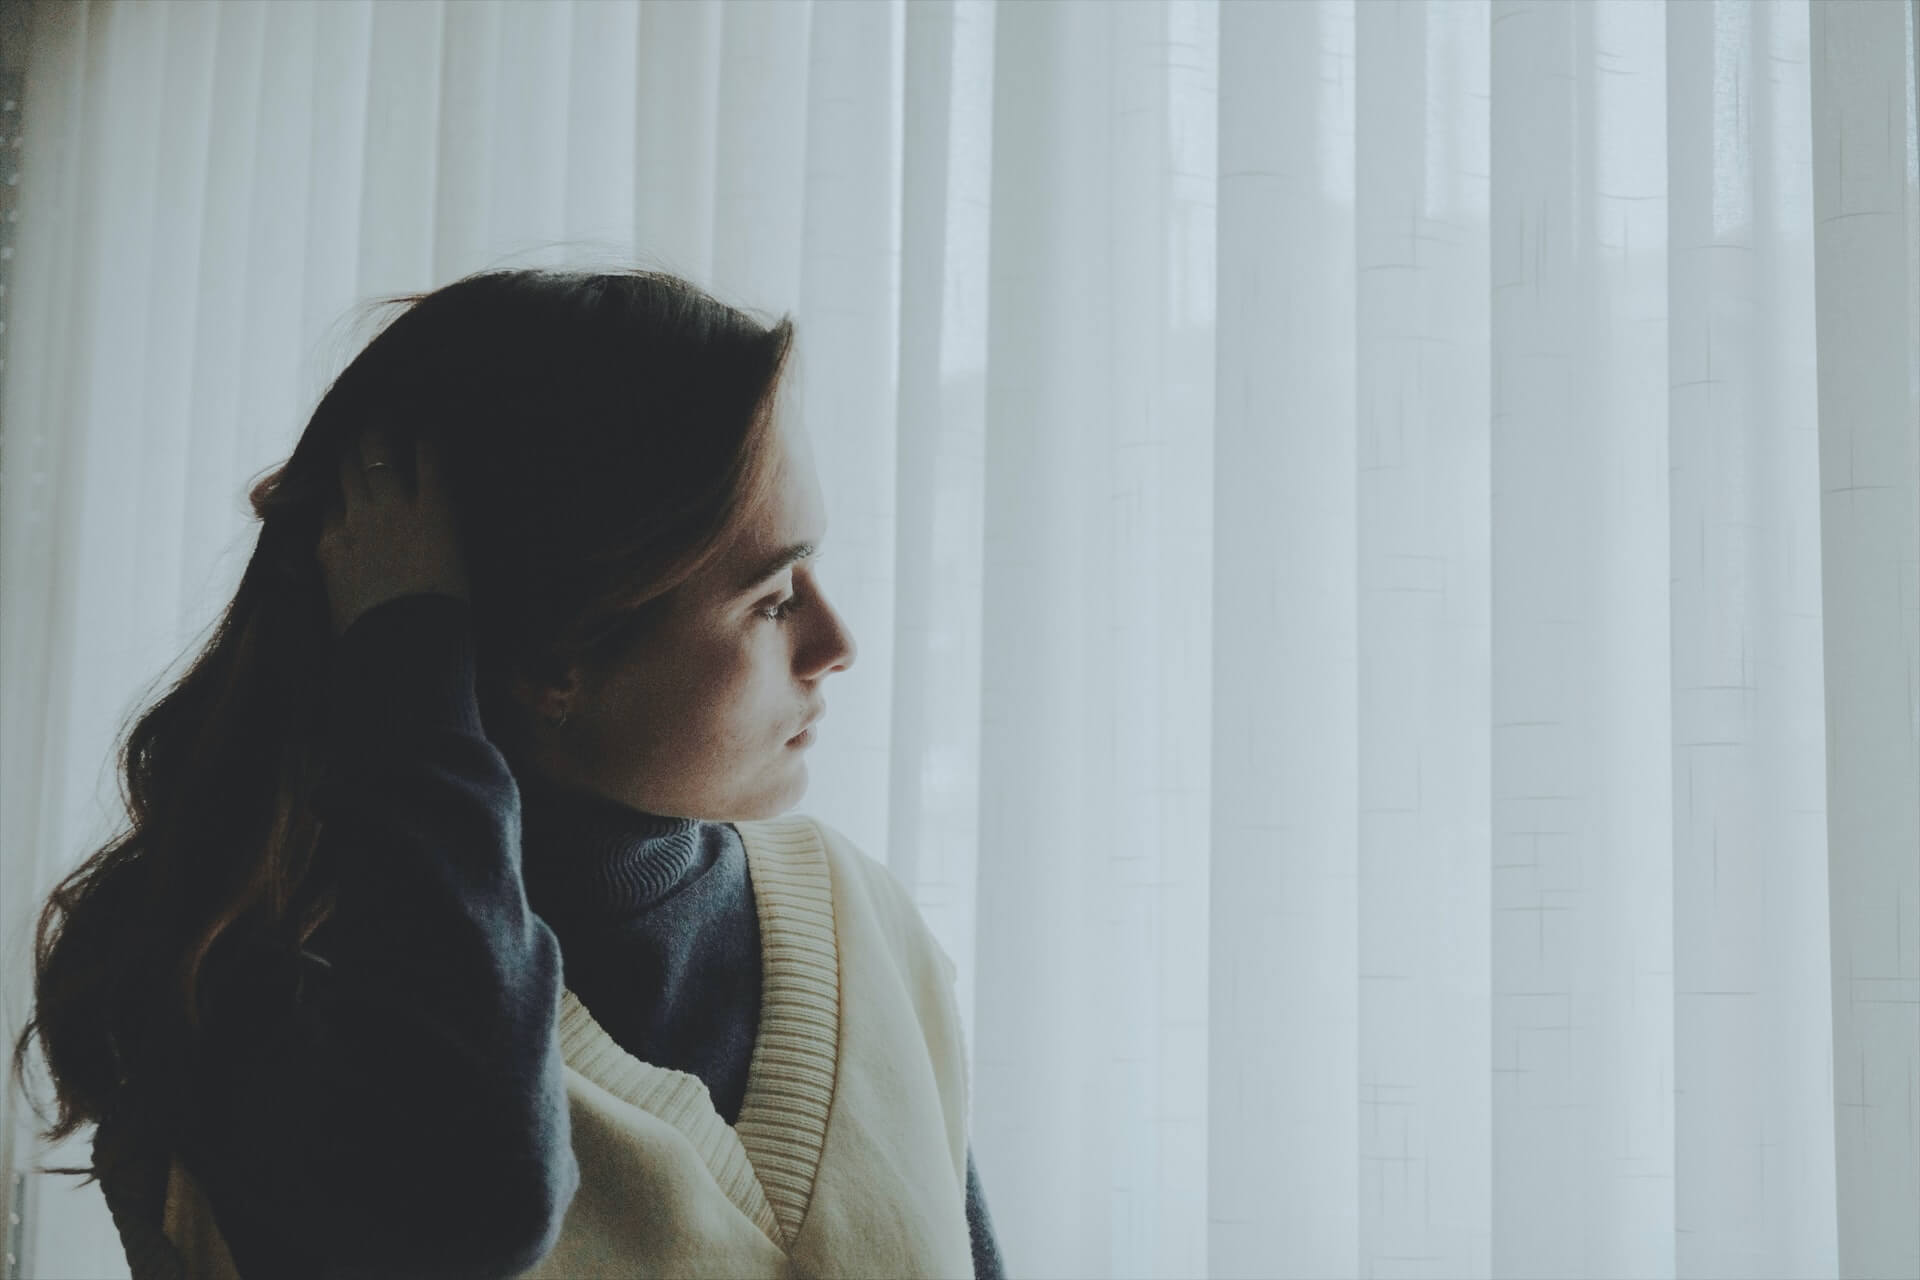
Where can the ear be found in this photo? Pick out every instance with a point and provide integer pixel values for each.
(545, 695)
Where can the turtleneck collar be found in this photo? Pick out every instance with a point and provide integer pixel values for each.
(584, 855)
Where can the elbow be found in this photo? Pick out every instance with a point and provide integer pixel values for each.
(496, 1232)
(540, 1230)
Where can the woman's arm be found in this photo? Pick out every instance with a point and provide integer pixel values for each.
(395, 1104)
(987, 1264)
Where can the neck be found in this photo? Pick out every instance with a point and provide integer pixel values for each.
(583, 854)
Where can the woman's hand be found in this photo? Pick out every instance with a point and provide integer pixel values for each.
(388, 541)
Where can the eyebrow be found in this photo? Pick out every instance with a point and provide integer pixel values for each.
(798, 551)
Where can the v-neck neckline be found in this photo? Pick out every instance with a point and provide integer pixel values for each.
(769, 1159)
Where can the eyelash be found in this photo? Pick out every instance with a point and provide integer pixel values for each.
(781, 611)
(785, 609)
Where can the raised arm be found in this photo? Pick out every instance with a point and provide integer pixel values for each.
(391, 1101)
(394, 1104)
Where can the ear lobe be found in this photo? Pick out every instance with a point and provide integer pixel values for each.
(546, 697)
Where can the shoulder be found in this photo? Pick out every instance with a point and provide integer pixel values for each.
(803, 836)
(858, 878)
(793, 834)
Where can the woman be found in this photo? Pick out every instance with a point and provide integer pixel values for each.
(456, 932)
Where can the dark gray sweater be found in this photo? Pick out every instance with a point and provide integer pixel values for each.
(393, 1104)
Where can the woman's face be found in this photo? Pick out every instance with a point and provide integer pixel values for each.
(700, 721)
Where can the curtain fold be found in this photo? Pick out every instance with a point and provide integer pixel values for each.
(1866, 210)
(1384, 537)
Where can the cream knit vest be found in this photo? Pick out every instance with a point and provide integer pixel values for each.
(849, 1157)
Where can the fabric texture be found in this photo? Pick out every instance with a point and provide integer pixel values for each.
(659, 919)
(850, 1157)
(1382, 534)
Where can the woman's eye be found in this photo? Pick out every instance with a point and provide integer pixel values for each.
(781, 611)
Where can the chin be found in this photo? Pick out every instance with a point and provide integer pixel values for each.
(775, 799)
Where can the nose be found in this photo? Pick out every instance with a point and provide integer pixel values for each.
(837, 648)
(847, 649)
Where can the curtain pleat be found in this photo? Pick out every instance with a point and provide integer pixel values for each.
(1383, 538)
(1865, 160)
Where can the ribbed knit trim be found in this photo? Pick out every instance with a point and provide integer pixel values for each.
(587, 857)
(768, 1161)
(677, 1097)
(783, 1121)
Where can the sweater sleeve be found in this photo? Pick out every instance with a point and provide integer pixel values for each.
(391, 1101)
(986, 1250)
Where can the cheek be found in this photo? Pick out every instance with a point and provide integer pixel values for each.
(676, 696)
(707, 695)
(739, 693)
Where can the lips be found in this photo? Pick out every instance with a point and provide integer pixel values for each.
(810, 722)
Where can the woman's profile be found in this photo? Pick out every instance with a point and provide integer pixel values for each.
(461, 926)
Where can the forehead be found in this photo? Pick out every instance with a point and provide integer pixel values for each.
(794, 513)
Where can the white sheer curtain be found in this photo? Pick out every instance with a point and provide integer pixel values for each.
(1384, 537)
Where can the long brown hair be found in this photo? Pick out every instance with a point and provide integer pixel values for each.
(600, 433)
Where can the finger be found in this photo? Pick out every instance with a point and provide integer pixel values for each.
(426, 467)
(353, 482)
(375, 447)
